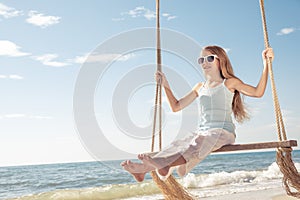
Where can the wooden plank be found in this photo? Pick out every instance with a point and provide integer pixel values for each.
(254, 146)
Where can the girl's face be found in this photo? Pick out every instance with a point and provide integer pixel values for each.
(209, 62)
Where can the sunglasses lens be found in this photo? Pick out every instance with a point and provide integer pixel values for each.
(207, 58)
(201, 60)
(210, 58)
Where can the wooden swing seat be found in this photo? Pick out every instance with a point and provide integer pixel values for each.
(255, 146)
(251, 146)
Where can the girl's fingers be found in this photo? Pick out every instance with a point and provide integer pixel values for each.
(268, 53)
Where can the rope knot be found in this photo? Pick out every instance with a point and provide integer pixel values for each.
(284, 149)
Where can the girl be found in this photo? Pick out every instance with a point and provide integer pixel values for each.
(219, 98)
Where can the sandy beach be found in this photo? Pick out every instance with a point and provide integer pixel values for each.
(265, 194)
(269, 194)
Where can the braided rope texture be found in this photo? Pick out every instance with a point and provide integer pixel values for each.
(170, 188)
(291, 177)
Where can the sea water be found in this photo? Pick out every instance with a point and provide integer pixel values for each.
(218, 174)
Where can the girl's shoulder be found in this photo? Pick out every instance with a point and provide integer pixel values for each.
(231, 83)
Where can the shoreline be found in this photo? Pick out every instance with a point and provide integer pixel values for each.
(267, 194)
(277, 193)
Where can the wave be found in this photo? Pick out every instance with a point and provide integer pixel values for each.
(223, 178)
(105, 192)
(193, 181)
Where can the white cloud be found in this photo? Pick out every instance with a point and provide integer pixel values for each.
(48, 59)
(286, 31)
(138, 11)
(8, 48)
(79, 59)
(15, 76)
(8, 12)
(9, 116)
(169, 16)
(149, 14)
(103, 58)
(126, 57)
(39, 19)
(12, 76)
(141, 11)
(24, 116)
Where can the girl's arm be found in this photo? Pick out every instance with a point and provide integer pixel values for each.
(176, 105)
(259, 90)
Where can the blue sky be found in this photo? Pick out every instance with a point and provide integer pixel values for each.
(43, 46)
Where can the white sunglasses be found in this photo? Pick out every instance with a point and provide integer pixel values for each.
(209, 58)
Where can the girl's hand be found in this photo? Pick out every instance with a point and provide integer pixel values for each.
(161, 79)
(268, 53)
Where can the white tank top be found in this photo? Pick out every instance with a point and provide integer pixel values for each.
(216, 108)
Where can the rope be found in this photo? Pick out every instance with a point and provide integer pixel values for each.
(279, 121)
(155, 116)
(157, 106)
(158, 85)
(170, 188)
(291, 177)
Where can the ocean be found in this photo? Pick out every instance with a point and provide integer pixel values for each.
(218, 174)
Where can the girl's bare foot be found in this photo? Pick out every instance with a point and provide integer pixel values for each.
(163, 169)
(137, 170)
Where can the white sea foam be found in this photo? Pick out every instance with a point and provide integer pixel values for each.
(201, 185)
(225, 178)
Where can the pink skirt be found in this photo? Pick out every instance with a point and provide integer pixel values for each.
(195, 147)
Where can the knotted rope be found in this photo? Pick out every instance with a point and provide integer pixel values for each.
(291, 177)
(170, 188)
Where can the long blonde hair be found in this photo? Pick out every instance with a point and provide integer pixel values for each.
(239, 111)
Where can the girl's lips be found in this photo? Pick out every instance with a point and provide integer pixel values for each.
(206, 67)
